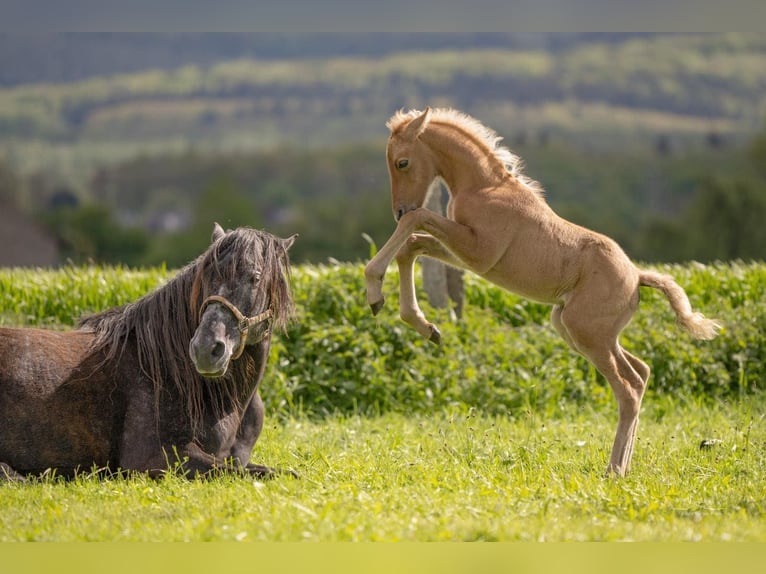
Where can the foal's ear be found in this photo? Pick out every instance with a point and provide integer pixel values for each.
(288, 243)
(218, 232)
(419, 124)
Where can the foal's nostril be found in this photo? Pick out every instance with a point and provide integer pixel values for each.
(399, 213)
(218, 349)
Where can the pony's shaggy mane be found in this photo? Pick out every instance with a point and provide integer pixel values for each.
(162, 323)
(477, 131)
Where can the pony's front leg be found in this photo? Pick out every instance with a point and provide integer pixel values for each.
(409, 310)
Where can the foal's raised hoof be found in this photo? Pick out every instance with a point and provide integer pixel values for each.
(436, 336)
(377, 306)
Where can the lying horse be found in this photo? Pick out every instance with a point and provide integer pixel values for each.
(499, 226)
(168, 381)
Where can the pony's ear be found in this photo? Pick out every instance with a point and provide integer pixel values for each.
(288, 243)
(419, 124)
(218, 232)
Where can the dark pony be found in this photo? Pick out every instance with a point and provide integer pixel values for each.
(170, 380)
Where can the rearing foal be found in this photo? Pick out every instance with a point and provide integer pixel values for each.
(499, 226)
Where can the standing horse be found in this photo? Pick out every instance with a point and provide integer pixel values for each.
(170, 380)
(499, 226)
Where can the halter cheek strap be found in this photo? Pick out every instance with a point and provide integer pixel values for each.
(244, 324)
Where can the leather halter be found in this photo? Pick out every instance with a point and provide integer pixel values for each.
(244, 324)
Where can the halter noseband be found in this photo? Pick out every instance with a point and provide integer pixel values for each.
(244, 323)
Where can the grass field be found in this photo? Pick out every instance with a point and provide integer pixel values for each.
(501, 434)
(448, 477)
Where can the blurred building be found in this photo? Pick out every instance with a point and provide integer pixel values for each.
(23, 243)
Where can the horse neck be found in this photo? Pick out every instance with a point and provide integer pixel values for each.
(461, 160)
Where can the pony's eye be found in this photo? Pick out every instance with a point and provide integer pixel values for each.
(402, 163)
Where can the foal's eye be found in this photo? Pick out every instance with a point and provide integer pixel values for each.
(402, 163)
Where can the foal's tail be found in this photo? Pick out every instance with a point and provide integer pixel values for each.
(696, 324)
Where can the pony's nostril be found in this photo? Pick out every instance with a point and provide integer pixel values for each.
(218, 349)
(399, 213)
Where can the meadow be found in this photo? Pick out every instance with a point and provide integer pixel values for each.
(500, 434)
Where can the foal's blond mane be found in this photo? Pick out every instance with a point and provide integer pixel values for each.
(475, 130)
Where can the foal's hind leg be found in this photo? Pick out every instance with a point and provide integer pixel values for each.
(643, 371)
(641, 368)
(628, 387)
(559, 326)
(627, 375)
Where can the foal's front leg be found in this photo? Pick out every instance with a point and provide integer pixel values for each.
(377, 266)
(409, 310)
(459, 239)
(419, 244)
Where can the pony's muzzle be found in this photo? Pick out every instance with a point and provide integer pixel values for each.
(218, 349)
(210, 358)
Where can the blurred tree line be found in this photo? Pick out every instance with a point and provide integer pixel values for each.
(159, 209)
(664, 207)
(723, 221)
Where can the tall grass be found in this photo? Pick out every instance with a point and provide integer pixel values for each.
(56, 298)
(502, 357)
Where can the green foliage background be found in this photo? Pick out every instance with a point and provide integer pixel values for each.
(501, 358)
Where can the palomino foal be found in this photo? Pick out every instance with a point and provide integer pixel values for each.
(499, 226)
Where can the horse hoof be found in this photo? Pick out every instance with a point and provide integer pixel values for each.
(7, 473)
(377, 306)
(436, 336)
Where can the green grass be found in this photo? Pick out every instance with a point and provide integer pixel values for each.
(56, 298)
(452, 476)
(500, 434)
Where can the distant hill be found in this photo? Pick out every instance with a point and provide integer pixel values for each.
(108, 98)
(58, 58)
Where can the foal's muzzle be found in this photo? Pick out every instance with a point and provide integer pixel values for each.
(399, 213)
